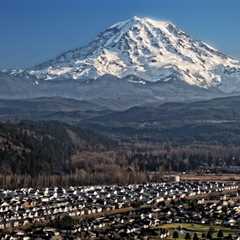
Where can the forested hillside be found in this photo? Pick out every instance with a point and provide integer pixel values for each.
(43, 147)
(120, 147)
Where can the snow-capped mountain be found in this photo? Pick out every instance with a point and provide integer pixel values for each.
(149, 49)
(135, 62)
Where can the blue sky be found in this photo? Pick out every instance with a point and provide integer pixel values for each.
(33, 31)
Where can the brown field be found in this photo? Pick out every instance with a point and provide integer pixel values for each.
(210, 177)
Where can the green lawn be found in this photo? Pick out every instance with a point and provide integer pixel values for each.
(197, 228)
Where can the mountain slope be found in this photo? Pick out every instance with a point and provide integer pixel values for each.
(215, 121)
(54, 108)
(108, 91)
(149, 49)
(214, 110)
(37, 148)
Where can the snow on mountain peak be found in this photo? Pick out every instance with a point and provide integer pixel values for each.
(150, 49)
(139, 20)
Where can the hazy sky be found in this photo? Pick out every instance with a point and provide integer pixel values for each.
(32, 31)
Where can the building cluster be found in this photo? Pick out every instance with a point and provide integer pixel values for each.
(114, 212)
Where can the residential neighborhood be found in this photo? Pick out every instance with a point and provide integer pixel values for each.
(146, 211)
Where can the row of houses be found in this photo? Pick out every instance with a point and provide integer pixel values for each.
(24, 207)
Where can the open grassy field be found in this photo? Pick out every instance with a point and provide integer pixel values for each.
(199, 229)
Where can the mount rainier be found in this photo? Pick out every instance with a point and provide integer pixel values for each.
(132, 62)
